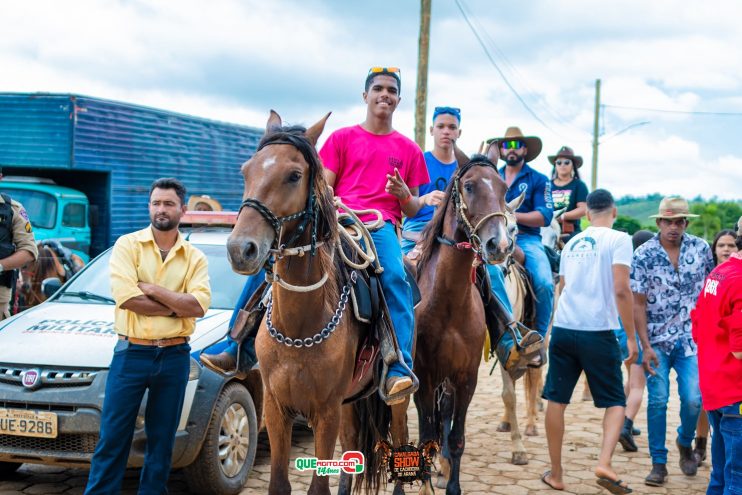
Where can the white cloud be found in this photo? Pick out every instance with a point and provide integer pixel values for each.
(303, 58)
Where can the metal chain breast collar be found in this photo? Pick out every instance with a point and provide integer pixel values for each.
(320, 336)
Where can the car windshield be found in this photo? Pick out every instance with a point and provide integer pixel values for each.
(226, 285)
(40, 206)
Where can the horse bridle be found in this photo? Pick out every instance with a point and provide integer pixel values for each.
(475, 243)
(307, 215)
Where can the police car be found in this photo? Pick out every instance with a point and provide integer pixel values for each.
(53, 368)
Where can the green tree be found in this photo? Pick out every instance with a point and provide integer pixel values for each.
(626, 224)
(708, 223)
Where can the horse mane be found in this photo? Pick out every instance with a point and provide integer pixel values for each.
(325, 215)
(434, 228)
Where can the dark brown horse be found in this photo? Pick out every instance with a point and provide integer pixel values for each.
(48, 264)
(469, 228)
(308, 341)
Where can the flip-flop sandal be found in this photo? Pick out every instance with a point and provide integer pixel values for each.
(543, 480)
(613, 486)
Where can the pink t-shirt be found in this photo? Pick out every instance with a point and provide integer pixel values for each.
(361, 161)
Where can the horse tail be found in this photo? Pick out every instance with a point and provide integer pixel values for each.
(374, 418)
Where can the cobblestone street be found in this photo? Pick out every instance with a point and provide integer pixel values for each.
(485, 466)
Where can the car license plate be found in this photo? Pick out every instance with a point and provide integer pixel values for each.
(24, 423)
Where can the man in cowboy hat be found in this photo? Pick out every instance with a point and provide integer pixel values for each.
(666, 286)
(536, 211)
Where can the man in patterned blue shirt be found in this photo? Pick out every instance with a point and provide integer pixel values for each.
(667, 275)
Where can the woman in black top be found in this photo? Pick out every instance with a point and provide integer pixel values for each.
(568, 191)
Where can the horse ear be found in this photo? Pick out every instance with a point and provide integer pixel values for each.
(515, 204)
(314, 132)
(461, 157)
(274, 122)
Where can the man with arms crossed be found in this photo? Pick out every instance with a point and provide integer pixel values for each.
(161, 285)
(594, 278)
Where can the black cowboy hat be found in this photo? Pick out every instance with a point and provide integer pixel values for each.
(567, 152)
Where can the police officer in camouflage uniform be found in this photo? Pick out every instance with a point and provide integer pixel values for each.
(17, 246)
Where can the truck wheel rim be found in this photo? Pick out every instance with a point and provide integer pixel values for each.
(234, 440)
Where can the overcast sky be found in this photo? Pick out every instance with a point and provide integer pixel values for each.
(234, 60)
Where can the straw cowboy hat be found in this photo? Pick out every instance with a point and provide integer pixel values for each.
(533, 144)
(672, 207)
(567, 152)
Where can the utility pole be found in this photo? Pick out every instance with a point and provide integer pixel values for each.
(421, 97)
(596, 126)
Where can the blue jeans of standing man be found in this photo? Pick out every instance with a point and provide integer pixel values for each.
(726, 450)
(537, 265)
(397, 292)
(658, 393)
(163, 371)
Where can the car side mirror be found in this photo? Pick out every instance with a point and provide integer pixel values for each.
(50, 286)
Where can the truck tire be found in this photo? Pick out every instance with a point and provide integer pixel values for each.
(233, 431)
(8, 468)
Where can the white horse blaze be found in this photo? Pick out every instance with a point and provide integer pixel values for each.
(489, 183)
(269, 163)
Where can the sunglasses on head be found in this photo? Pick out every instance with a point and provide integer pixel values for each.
(456, 112)
(563, 162)
(384, 70)
(512, 144)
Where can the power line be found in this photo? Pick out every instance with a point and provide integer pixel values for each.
(684, 112)
(502, 74)
(555, 115)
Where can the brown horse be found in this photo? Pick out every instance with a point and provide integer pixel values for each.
(523, 302)
(47, 265)
(306, 369)
(469, 228)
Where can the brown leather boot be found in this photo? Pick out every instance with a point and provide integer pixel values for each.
(658, 475)
(688, 464)
(518, 360)
(223, 362)
(395, 385)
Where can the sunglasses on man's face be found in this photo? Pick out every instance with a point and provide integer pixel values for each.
(512, 144)
(563, 162)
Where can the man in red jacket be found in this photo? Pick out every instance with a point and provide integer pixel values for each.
(717, 330)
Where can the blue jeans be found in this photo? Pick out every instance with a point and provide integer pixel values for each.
(537, 265)
(411, 226)
(251, 285)
(658, 393)
(726, 450)
(397, 292)
(163, 371)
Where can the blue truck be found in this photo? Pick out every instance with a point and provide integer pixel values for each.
(95, 160)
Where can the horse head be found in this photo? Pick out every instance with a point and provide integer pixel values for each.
(478, 194)
(286, 199)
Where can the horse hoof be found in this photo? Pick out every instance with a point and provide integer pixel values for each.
(503, 427)
(519, 458)
(531, 431)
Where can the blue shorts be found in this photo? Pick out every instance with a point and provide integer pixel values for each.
(621, 338)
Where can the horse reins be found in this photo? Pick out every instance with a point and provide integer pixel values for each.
(474, 242)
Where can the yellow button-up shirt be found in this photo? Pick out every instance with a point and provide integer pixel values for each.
(136, 258)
